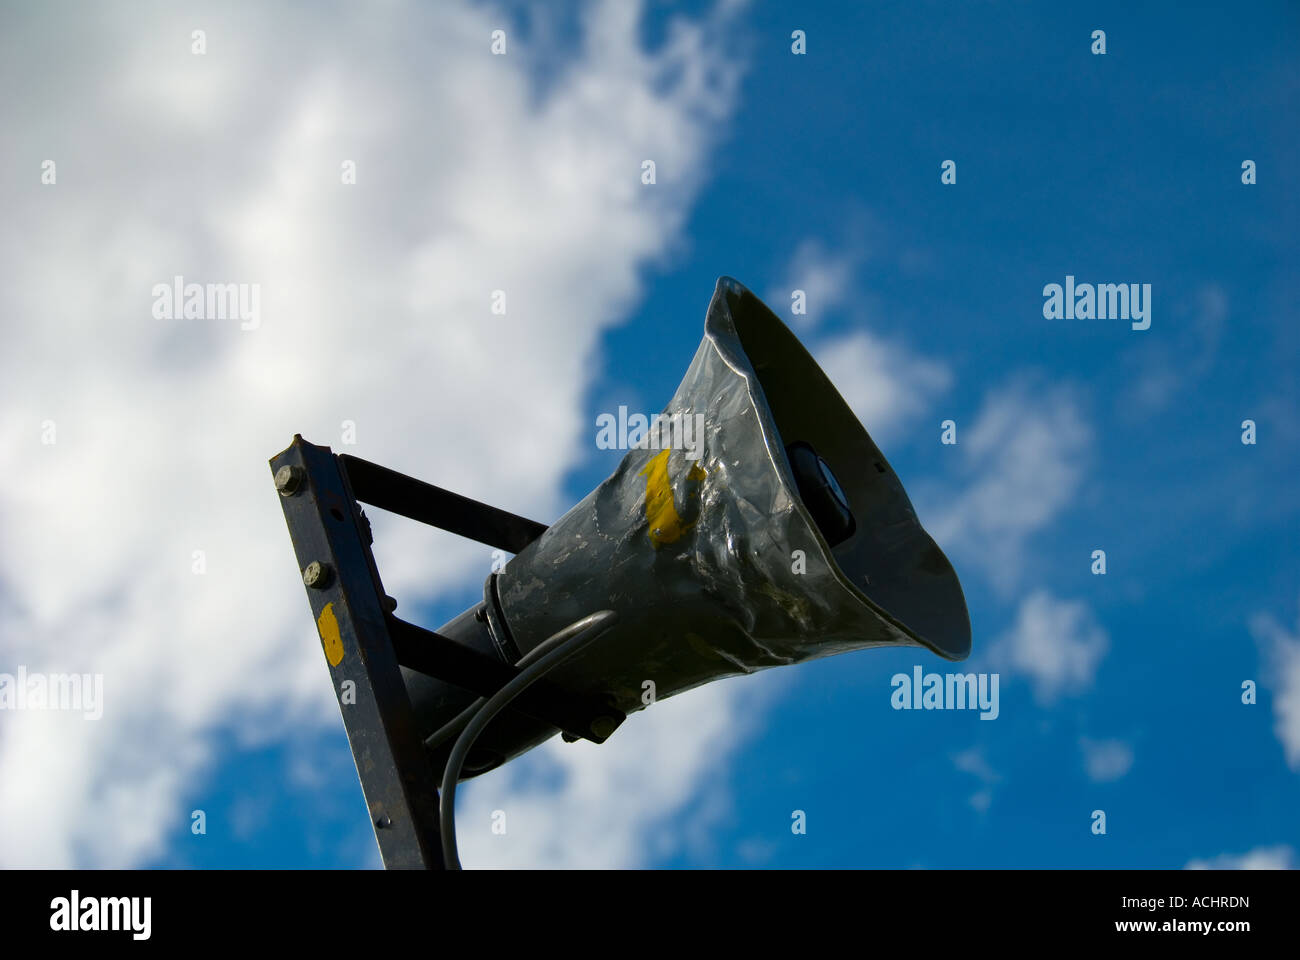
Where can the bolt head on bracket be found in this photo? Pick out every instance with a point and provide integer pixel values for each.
(288, 480)
(316, 575)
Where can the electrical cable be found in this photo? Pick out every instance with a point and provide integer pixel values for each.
(456, 724)
(535, 664)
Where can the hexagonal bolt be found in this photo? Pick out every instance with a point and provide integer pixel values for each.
(288, 480)
(316, 575)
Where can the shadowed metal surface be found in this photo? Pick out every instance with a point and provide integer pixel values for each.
(705, 582)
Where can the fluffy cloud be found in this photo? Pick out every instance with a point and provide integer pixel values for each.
(656, 787)
(1056, 643)
(1023, 460)
(225, 167)
(974, 762)
(825, 276)
(1260, 858)
(1158, 373)
(886, 384)
(1282, 660)
(1106, 760)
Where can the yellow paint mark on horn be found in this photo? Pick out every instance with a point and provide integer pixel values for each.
(666, 525)
(328, 625)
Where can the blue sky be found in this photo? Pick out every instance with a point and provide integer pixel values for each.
(1123, 167)
(1120, 692)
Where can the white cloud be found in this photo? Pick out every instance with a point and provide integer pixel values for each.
(825, 276)
(1023, 461)
(659, 777)
(886, 384)
(1158, 372)
(1056, 643)
(226, 168)
(1282, 660)
(1261, 858)
(974, 762)
(1106, 760)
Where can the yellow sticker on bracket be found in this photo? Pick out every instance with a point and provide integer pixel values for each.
(328, 625)
(666, 525)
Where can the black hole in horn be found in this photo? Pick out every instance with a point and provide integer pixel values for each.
(821, 493)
